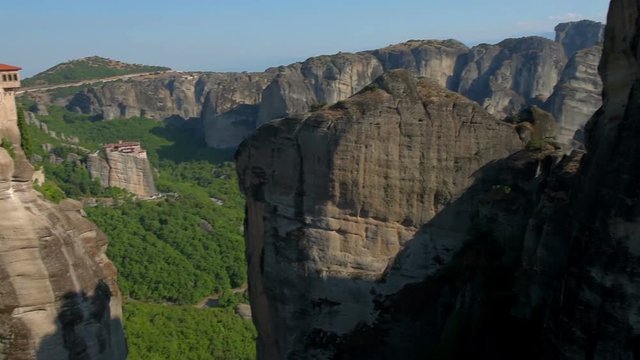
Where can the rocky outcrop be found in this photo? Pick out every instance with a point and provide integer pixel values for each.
(586, 279)
(334, 200)
(129, 171)
(170, 94)
(513, 74)
(578, 35)
(319, 80)
(534, 257)
(504, 78)
(226, 102)
(577, 95)
(437, 60)
(58, 293)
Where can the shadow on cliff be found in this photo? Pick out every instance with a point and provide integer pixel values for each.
(85, 329)
(462, 270)
(188, 143)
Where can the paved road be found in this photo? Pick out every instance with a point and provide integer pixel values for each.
(92, 81)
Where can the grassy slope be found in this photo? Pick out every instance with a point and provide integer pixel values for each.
(86, 69)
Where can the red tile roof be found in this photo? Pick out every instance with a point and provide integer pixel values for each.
(5, 67)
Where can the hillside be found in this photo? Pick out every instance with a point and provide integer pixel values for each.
(503, 78)
(175, 250)
(94, 67)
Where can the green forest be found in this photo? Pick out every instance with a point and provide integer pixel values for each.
(158, 332)
(171, 253)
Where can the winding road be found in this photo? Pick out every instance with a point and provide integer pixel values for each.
(43, 88)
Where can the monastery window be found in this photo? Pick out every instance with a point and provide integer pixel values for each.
(4, 77)
(15, 77)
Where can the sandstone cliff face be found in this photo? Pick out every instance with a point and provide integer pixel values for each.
(226, 102)
(319, 80)
(230, 107)
(577, 95)
(578, 35)
(433, 59)
(504, 78)
(533, 258)
(170, 94)
(58, 293)
(512, 74)
(334, 197)
(589, 284)
(126, 171)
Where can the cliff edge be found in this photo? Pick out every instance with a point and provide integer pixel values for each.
(334, 197)
(58, 292)
(407, 223)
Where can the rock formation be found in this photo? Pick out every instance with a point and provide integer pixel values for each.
(578, 35)
(513, 74)
(58, 293)
(577, 95)
(170, 94)
(435, 59)
(125, 166)
(387, 227)
(319, 80)
(589, 285)
(333, 197)
(504, 78)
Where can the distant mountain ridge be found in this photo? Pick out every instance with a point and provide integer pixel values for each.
(503, 78)
(88, 68)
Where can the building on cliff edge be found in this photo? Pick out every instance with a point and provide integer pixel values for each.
(9, 83)
(125, 165)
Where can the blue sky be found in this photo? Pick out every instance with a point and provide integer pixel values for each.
(237, 35)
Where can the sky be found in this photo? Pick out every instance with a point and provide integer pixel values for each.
(252, 35)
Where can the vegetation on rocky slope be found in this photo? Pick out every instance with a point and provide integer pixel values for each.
(171, 251)
(88, 68)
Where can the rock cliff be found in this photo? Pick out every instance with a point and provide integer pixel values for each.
(437, 60)
(577, 95)
(513, 74)
(333, 197)
(170, 94)
(578, 35)
(387, 227)
(125, 171)
(504, 78)
(589, 285)
(319, 80)
(58, 293)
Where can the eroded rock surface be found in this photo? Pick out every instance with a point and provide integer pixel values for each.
(504, 78)
(131, 171)
(577, 35)
(333, 197)
(512, 74)
(357, 253)
(577, 95)
(58, 293)
(170, 94)
(317, 81)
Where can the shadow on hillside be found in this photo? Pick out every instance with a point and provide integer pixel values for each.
(85, 329)
(188, 141)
